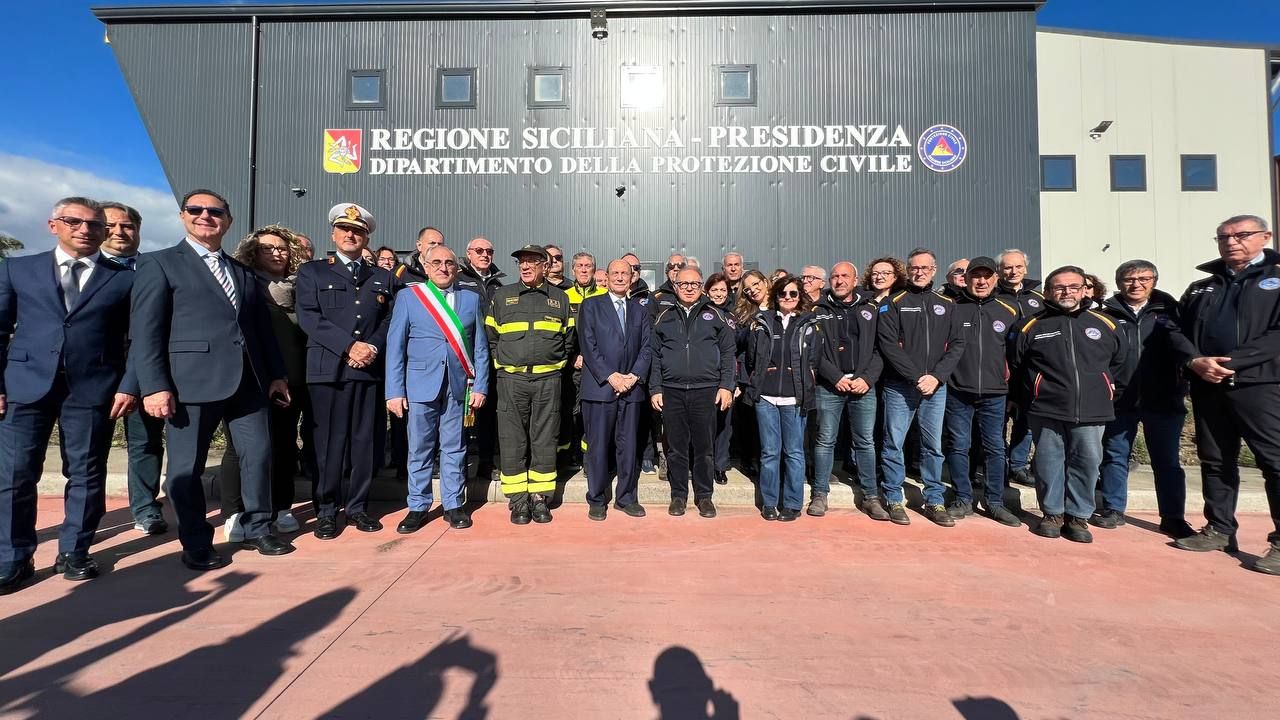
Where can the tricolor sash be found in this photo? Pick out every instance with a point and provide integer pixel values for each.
(438, 308)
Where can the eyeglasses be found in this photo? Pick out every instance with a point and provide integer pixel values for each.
(1238, 237)
(687, 284)
(125, 226)
(555, 258)
(921, 268)
(74, 223)
(789, 294)
(882, 273)
(1067, 288)
(1140, 280)
(957, 272)
(810, 278)
(198, 210)
(529, 261)
(481, 251)
(675, 266)
(443, 263)
(273, 249)
(635, 268)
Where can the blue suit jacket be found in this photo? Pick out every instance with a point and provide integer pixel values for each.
(419, 359)
(335, 311)
(187, 339)
(605, 350)
(89, 342)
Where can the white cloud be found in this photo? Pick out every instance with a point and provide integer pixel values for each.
(30, 187)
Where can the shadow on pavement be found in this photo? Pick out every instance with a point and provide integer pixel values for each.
(415, 689)
(984, 708)
(682, 690)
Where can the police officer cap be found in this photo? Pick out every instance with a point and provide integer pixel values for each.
(351, 215)
(531, 250)
(982, 261)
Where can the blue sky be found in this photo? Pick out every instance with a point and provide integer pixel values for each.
(70, 114)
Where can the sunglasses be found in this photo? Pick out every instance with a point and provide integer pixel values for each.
(74, 223)
(198, 210)
(789, 294)
(957, 272)
(675, 266)
(555, 258)
(635, 268)
(482, 251)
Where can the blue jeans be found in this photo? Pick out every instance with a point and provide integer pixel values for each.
(861, 411)
(1066, 465)
(781, 437)
(1163, 432)
(1019, 443)
(902, 403)
(962, 408)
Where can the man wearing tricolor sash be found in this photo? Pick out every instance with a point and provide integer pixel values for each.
(437, 375)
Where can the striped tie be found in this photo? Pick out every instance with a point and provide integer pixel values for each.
(214, 261)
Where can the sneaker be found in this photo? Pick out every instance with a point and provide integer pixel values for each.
(939, 515)
(647, 468)
(1002, 515)
(286, 522)
(874, 508)
(232, 530)
(817, 504)
(1022, 476)
(1176, 528)
(1050, 527)
(898, 514)
(152, 526)
(960, 509)
(1107, 519)
(1077, 530)
(1269, 563)
(1208, 540)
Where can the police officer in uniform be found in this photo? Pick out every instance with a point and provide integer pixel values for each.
(344, 306)
(572, 442)
(528, 324)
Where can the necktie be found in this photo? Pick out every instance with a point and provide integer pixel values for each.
(354, 266)
(215, 266)
(622, 314)
(71, 282)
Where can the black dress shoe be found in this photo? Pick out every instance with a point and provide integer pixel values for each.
(706, 508)
(13, 574)
(721, 478)
(788, 515)
(541, 513)
(326, 528)
(458, 518)
(520, 513)
(203, 559)
(268, 545)
(676, 508)
(769, 513)
(596, 512)
(635, 509)
(365, 523)
(413, 522)
(76, 566)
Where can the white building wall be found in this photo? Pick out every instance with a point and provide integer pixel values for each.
(1166, 100)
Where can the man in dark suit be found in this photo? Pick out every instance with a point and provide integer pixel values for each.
(64, 321)
(144, 435)
(344, 307)
(204, 353)
(614, 343)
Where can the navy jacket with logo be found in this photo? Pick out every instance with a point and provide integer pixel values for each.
(1068, 363)
(987, 323)
(849, 335)
(802, 354)
(693, 350)
(1152, 376)
(1028, 300)
(918, 335)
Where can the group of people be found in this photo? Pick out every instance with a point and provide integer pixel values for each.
(595, 367)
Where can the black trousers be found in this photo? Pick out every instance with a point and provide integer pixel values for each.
(24, 438)
(346, 437)
(689, 417)
(571, 424)
(1224, 416)
(724, 438)
(613, 433)
(144, 436)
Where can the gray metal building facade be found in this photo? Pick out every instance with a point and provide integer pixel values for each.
(239, 99)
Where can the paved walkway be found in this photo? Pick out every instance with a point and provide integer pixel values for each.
(838, 617)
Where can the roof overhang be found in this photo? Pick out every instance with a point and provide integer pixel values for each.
(517, 8)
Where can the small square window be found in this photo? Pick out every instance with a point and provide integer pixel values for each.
(456, 88)
(1058, 173)
(1128, 173)
(548, 87)
(642, 87)
(366, 90)
(1199, 173)
(735, 84)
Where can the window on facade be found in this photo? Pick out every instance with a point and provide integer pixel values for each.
(1058, 173)
(456, 88)
(548, 87)
(735, 84)
(1199, 173)
(1128, 173)
(642, 87)
(366, 90)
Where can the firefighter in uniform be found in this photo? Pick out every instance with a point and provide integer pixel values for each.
(572, 442)
(529, 328)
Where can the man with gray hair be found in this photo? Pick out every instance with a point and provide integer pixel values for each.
(1020, 291)
(1230, 342)
(1154, 393)
(814, 279)
(571, 445)
(732, 267)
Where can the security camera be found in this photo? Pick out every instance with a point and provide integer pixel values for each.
(620, 190)
(599, 24)
(298, 191)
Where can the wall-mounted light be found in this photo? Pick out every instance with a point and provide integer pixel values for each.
(1099, 129)
(298, 191)
(599, 24)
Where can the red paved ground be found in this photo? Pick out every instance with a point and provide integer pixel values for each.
(838, 617)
